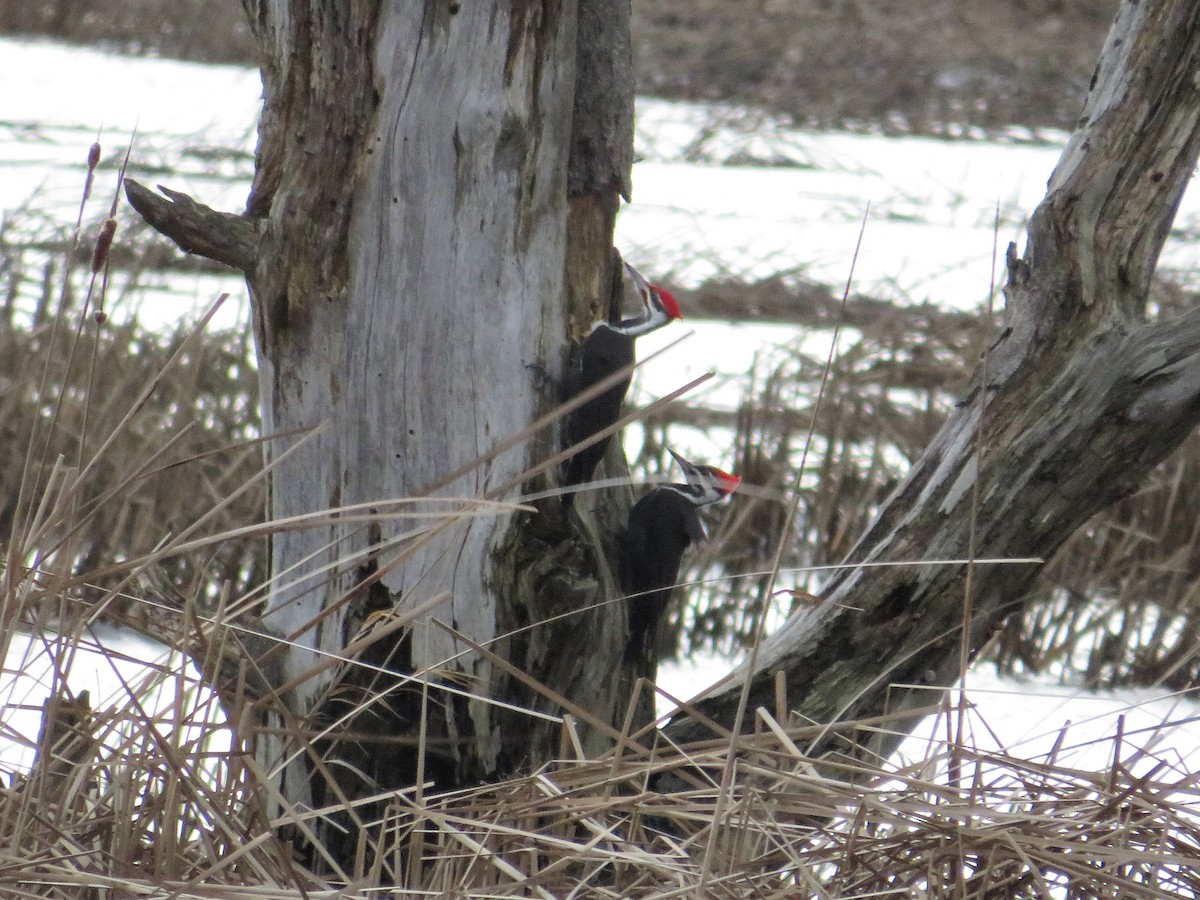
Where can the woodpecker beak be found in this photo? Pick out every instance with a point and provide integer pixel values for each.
(687, 467)
(711, 477)
(640, 283)
(653, 296)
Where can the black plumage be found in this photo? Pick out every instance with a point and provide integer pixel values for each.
(662, 525)
(607, 350)
(604, 351)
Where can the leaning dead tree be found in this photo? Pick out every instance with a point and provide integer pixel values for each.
(1082, 394)
(430, 227)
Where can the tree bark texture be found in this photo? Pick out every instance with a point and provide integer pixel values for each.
(1079, 398)
(437, 201)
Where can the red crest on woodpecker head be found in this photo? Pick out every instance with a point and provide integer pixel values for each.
(706, 484)
(727, 483)
(668, 301)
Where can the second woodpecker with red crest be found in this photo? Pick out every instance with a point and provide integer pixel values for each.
(662, 525)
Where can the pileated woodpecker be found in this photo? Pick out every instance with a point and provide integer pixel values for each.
(661, 526)
(608, 348)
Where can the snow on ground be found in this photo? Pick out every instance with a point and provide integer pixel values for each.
(929, 235)
(1022, 717)
(699, 211)
(934, 203)
(1025, 718)
(118, 669)
(56, 100)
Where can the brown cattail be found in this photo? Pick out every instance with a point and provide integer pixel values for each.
(93, 161)
(103, 243)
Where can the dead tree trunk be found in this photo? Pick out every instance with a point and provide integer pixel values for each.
(430, 224)
(1084, 392)
(438, 184)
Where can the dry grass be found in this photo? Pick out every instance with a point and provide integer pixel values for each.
(211, 30)
(152, 790)
(877, 64)
(126, 801)
(187, 453)
(98, 418)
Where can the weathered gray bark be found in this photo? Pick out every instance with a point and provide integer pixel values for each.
(1081, 396)
(436, 186)
(410, 281)
(430, 224)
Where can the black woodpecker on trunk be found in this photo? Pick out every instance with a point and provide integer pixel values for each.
(607, 349)
(662, 525)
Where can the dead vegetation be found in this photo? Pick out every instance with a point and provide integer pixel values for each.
(1118, 605)
(208, 30)
(878, 64)
(121, 443)
(135, 798)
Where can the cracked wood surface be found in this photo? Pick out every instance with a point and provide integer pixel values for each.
(426, 213)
